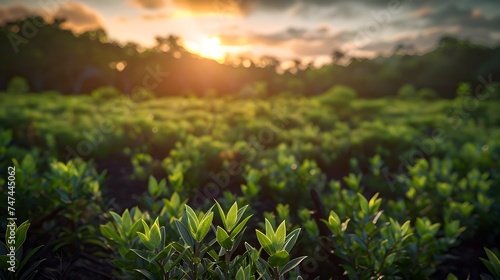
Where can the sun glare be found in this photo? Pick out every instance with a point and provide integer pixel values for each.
(208, 47)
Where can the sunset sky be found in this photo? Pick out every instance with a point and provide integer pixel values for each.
(287, 29)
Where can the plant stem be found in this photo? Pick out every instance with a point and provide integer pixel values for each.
(194, 267)
(228, 261)
(276, 273)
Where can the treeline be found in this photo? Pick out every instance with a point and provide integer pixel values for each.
(52, 58)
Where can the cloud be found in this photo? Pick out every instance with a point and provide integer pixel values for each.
(421, 41)
(301, 41)
(14, 12)
(230, 7)
(153, 17)
(466, 17)
(263, 39)
(149, 4)
(79, 17)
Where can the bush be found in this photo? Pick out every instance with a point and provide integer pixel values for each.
(18, 85)
(338, 96)
(142, 94)
(190, 245)
(107, 92)
(407, 91)
(427, 94)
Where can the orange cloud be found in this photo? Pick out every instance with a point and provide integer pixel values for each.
(15, 12)
(229, 7)
(159, 16)
(149, 4)
(79, 17)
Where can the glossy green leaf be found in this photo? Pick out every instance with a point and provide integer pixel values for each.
(223, 238)
(265, 242)
(291, 239)
(292, 264)
(280, 235)
(184, 233)
(155, 236)
(239, 227)
(204, 227)
(232, 215)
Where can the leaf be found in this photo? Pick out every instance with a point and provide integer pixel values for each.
(204, 227)
(221, 214)
(162, 186)
(175, 200)
(280, 235)
(116, 217)
(155, 236)
(126, 221)
(153, 187)
(374, 203)
(232, 214)
(363, 203)
(192, 220)
(493, 264)
(241, 211)
(451, 277)
(28, 257)
(21, 232)
(292, 264)
(264, 241)
(146, 273)
(239, 227)
(223, 238)
(146, 227)
(178, 260)
(31, 269)
(108, 232)
(291, 239)
(269, 230)
(145, 240)
(142, 254)
(279, 259)
(184, 233)
(136, 227)
(240, 275)
(4, 262)
(163, 253)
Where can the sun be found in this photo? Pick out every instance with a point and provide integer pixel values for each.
(208, 47)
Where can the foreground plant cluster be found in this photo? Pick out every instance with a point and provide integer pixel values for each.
(252, 189)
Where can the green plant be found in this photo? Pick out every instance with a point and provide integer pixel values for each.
(493, 265)
(106, 92)
(13, 262)
(143, 248)
(278, 246)
(338, 96)
(18, 85)
(407, 91)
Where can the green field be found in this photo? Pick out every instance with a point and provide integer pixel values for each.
(383, 188)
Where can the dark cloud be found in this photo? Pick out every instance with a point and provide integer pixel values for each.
(464, 22)
(265, 39)
(421, 41)
(78, 16)
(467, 17)
(317, 41)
